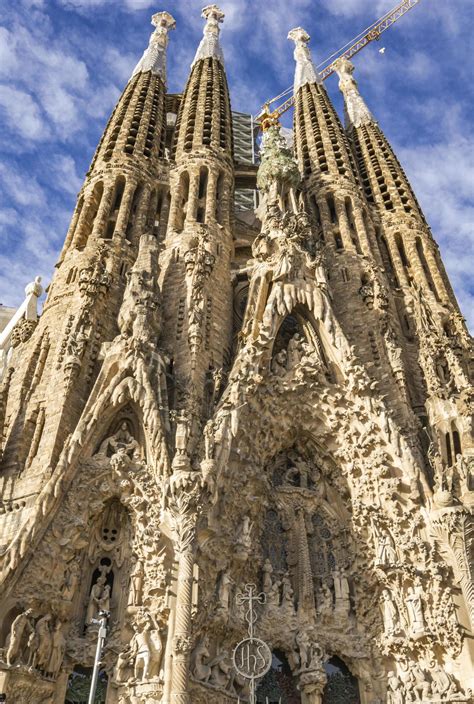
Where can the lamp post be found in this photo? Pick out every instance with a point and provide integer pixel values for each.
(101, 636)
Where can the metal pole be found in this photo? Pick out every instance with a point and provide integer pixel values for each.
(101, 636)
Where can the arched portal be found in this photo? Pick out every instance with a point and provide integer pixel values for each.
(341, 687)
(279, 686)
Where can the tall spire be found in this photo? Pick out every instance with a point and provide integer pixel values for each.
(356, 111)
(209, 46)
(305, 71)
(154, 56)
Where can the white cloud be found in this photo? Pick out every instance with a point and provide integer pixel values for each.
(23, 114)
(23, 191)
(64, 172)
(351, 8)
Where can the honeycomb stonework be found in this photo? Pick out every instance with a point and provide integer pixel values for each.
(212, 397)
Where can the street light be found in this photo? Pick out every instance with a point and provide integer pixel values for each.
(101, 636)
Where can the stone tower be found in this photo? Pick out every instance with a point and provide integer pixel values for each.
(211, 399)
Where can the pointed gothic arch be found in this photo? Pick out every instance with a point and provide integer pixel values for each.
(301, 321)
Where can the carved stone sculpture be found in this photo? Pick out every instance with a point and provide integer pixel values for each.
(21, 628)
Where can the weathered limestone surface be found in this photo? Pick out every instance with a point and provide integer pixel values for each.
(204, 402)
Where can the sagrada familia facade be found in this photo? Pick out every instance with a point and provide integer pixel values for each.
(213, 398)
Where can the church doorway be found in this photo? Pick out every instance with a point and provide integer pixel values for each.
(279, 686)
(341, 687)
(79, 684)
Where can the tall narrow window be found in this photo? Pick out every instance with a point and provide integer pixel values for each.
(401, 250)
(449, 453)
(92, 203)
(220, 199)
(332, 209)
(133, 212)
(456, 441)
(118, 195)
(202, 194)
(426, 268)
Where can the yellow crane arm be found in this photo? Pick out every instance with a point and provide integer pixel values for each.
(269, 117)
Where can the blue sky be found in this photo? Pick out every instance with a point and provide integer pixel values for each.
(64, 63)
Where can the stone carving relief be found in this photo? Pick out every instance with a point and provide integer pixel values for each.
(35, 643)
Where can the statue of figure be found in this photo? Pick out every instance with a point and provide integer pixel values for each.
(123, 662)
(463, 472)
(44, 643)
(420, 685)
(104, 601)
(94, 598)
(71, 579)
(386, 553)
(273, 598)
(183, 431)
(325, 601)
(341, 591)
(225, 585)
(389, 613)
(209, 440)
(200, 668)
(415, 608)
(396, 691)
(244, 537)
(221, 670)
(147, 650)
(121, 440)
(436, 462)
(287, 592)
(21, 627)
(443, 683)
(279, 363)
(58, 648)
(136, 584)
(295, 350)
(310, 653)
(267, 576)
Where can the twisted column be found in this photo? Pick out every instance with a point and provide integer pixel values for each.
(183, 503)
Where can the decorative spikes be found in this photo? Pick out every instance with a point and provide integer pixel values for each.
(356, 111)
(209, 46)
(305, 71)
(154, 56)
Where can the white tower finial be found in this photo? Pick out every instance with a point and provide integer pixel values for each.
(154, 56)
(356, 111)
(305, 71)
(209, 45)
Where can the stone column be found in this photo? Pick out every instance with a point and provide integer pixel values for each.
(326, 224)
(344, 228)
(436, 275)
(104, 210)
(211, 196)
(183, 504)
(312, 683)
(191, 210)
(124, 211)
(362, 233)
(72, 228)
(396, 260)
(305, 577)
(83, 218)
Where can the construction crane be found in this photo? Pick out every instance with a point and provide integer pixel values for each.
(268, 117)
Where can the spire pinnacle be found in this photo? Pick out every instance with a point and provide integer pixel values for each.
(154, 56)
(356, 111)
(209, 45)
(305, 71)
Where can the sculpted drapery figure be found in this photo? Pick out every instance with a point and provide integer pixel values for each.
(21, 629)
